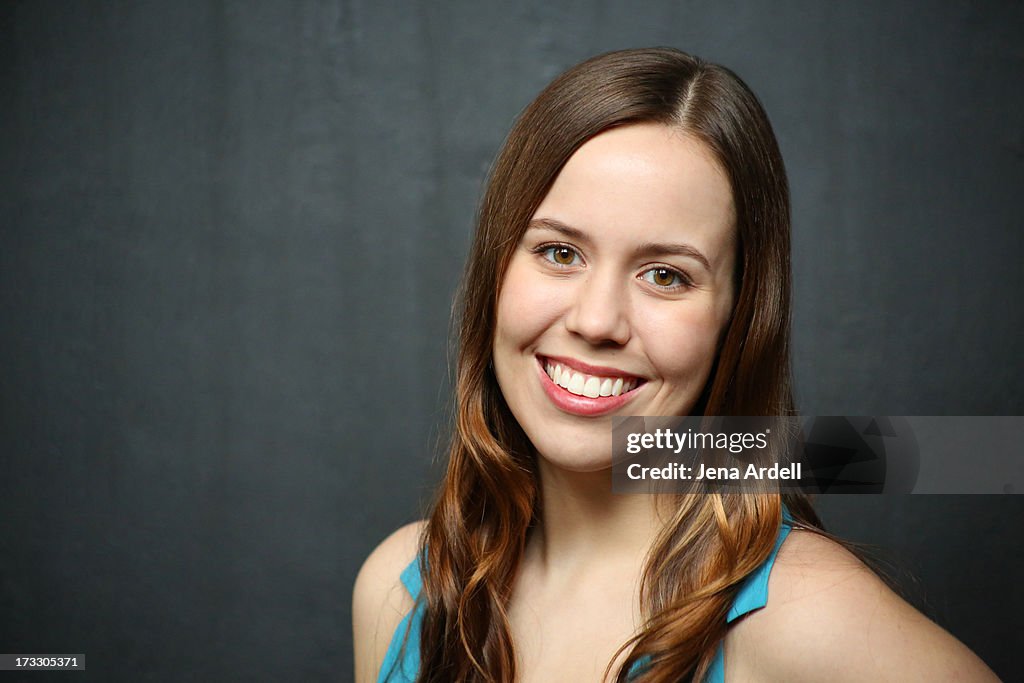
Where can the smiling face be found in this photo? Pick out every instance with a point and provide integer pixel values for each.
(617, 295)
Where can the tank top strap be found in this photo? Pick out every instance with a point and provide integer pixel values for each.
(752, 595)
(402, 659)
(412, 579)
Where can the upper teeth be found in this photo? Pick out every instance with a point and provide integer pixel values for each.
(590, 386)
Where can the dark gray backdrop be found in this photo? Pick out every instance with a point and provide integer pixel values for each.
(231, 233)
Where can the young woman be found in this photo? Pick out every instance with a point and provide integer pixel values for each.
(631, 258)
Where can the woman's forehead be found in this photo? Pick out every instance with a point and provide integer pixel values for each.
(645, 182)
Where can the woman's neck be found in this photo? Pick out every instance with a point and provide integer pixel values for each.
(581, 520)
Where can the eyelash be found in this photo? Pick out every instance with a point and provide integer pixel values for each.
(543, 250)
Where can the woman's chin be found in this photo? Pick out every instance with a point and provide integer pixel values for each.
(580, 461)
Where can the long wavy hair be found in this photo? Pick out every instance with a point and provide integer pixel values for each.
(476, 531)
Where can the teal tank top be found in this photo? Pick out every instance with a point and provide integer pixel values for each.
(401, 664)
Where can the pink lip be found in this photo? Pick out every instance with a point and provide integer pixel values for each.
(583, 405)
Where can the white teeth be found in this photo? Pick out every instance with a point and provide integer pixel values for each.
(576, 384)
(587, 385)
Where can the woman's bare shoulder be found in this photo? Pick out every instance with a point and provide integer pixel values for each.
(379, 600)
(829, 616)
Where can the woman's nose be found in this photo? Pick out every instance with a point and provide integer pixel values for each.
(599, 312)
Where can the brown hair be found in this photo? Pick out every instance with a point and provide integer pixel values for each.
(477, 528)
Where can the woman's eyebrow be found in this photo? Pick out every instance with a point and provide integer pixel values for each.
(557, 226)
(650, 249)
(645, 250)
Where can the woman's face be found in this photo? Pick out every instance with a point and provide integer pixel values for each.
(618, 293)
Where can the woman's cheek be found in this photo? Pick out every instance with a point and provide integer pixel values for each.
(529, 301)
(685, 339)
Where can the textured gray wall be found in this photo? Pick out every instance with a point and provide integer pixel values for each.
(230, 236)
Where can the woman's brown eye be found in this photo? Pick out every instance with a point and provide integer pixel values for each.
(564, 256)
(663, 277)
